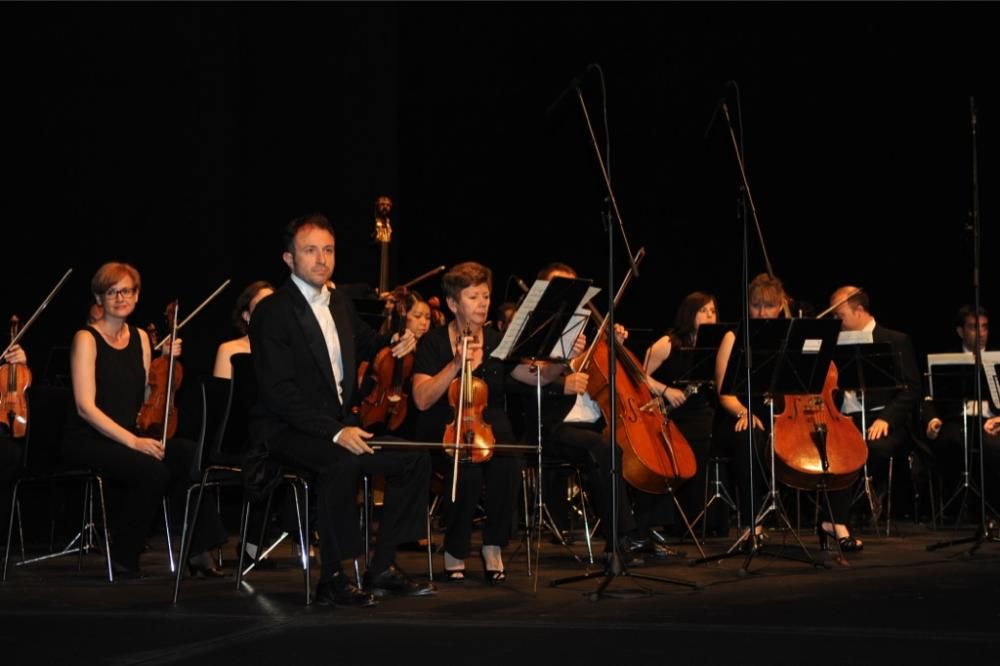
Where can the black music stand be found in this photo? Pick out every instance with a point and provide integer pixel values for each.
(864, 367)
(696, 372)
(788, 357)
(543, 331)
(953, 380)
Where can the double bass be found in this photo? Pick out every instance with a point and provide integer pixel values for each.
(14, 379)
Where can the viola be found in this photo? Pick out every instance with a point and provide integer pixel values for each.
(814, 443)
(387, 402)
(14, 379)
(471, 435)
(158, 415)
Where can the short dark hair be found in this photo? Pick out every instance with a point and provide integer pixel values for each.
(969, 310)
(311, 220)
(466, 274)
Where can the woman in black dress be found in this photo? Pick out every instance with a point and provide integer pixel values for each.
(439, 361)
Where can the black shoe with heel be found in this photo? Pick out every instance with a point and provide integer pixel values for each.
(848, 544)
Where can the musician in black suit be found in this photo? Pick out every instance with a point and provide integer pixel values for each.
(889, 413)
(942, 419)
(307, 340)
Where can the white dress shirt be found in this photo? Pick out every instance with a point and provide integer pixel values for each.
(319, 301)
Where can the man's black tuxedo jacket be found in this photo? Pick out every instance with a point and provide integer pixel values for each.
(296, 388)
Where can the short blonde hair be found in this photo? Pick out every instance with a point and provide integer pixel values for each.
(111, 273)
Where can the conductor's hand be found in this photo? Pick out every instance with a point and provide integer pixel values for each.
(992, 426)
(401, 346)
(353, 439)
(149, 446)
(878, 429)
(576, 383)
(15, 355)
(933, 428)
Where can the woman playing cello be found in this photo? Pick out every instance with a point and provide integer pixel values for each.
(767, 300)
(439, 361)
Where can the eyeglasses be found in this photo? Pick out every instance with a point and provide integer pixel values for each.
(124, 292)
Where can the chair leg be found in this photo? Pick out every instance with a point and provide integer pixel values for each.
(366, 517)
(430, 556)
(104, 528)
(584, 507)
(10, 528)
(888, 501)
(166, 528)
(188, 533)
(244, 528)
(303, 524)
(85, 526)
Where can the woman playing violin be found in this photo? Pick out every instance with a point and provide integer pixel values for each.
(439, 361)
(10, 448)
(109, 364)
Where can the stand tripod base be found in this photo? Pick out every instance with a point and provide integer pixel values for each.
(617, 569)
(988, 533)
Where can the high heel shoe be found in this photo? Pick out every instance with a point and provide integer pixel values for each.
(848, 544)
(203, 566)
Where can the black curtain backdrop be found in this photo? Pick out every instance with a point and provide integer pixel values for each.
(181, 137)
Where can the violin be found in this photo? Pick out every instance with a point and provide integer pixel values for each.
(14, 379)
(158, 415)
(471, 435)
(387, 402)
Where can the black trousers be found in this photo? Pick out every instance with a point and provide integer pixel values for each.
(585, 444)
(338, 473)
(948, 451)
(135, 484)
(501, 476)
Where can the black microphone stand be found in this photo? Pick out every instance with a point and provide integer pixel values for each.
(987, 530)
(616, 566)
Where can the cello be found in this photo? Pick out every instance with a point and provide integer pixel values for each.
(14, 379)
(655, 454)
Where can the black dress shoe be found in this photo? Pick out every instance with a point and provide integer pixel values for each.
(393, 582)
(340, 591)
(636, 544)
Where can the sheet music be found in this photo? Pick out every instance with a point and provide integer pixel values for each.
(528, 305)
(855, 338)
(991, 359)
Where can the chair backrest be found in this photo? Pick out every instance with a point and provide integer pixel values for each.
(48, 412)
(216, 394)
(244, 395)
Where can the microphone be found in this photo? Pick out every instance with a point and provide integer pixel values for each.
(574, 84)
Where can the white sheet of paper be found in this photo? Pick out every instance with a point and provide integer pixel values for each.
(531, 299)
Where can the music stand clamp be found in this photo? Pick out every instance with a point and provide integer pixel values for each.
(543, 331)
(787, 357)
(865, 366)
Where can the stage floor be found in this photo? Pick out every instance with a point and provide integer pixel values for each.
(895, 603)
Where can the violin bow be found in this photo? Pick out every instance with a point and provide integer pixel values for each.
(45, 303)
(839, 303)
(170, 377)
(459, 415)
(194, 312)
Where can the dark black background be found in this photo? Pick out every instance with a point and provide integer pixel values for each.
(181, 137)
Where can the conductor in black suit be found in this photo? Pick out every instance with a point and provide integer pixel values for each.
(889, 413)
(307, 340)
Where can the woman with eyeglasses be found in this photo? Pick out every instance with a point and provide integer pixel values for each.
(109, 364)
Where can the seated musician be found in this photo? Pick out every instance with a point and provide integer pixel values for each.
(467, 287)
(10, 448)
(943, 424)
(307, 340)
(245, 304)
(573, 427)
(692, 407)
(109, 364)
(736, 420)
(889, 413)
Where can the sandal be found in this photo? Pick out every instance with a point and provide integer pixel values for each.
(454, 576)
(495, 577)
